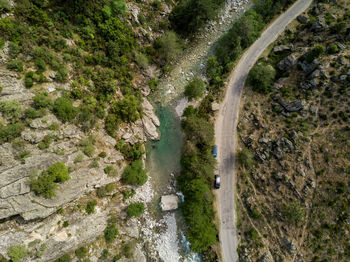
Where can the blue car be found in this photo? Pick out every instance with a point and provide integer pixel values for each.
(215, 151)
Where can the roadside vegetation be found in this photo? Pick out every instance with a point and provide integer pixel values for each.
(198, 163)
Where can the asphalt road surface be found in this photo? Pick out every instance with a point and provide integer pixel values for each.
(225, 129)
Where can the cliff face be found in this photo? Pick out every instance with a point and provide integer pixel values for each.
(293, 181)
(96, 130)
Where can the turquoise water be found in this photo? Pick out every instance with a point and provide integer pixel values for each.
(163, 156)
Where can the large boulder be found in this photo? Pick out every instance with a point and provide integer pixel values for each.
(287, 63)
(282, 48)
(169, 202)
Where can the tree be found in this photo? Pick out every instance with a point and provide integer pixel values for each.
(191, 15)
(17, 253)
(129, 108)
(195, 89)
(64, 109)
(261, 77)
(135, 209)
(168, 47)
(199, 131)
(134, 174)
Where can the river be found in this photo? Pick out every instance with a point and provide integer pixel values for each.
(163, 156)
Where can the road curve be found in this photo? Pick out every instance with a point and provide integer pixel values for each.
(225, 128)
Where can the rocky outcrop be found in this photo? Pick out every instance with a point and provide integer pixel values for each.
(287, 63)
(282, 48)
(169, 202)
(13, 88)
(149, 120)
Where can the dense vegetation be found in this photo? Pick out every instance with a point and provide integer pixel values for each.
(135, 209)
(191, 15)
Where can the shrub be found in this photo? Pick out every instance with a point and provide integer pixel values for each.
(245, 158)
(11, 110)
(9, 132)
(65, 224)
(4, 6)
(64, 258)
(102, 154)
(189, 16)
(111, 232)
(17, 253)
(62, 74)
(76, 93)
(16, 65)
(134, 174)
(332, 49)
(40, 64)
(314, 53)
(128, 249)
(41, 100)
(141, 60)
(44, 184)
(195, 89)
(64, 109)
(112, 122)
(104, 254)
(87, 145)
(168, 46)
(59, 171)
(32, 113)
(338, 27)
(129, 108)
(153, 83)
(81, 252)
(90, 207)
(28, 79)
(261, 78)
(135, 209)
(294, 213)
(108, 169)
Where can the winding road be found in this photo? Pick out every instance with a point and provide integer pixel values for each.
(225, 128)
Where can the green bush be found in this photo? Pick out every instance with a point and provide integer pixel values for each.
(129, 108)
(261, 77)
(314, 53)
(128, 249)
(191, 15)
(59, 171)
(16, 65)
(9, 132)
(76, 93)
(81, 252)
(134, 174)
(108, 169)
(11, 110)
(64, 258)
(90, 207)
(28, 79)
(135, 209)
(62, 74)
(87, 145)
(45, 183)
(64, 109)
(111, 232)
(168, 47)
(332, 49)
(294, 213)
(40, 64)
(245, 158)
(4, 6)
(41, 100)
(32, 113)
(112, 123)
(195, 89)
(17, 253)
